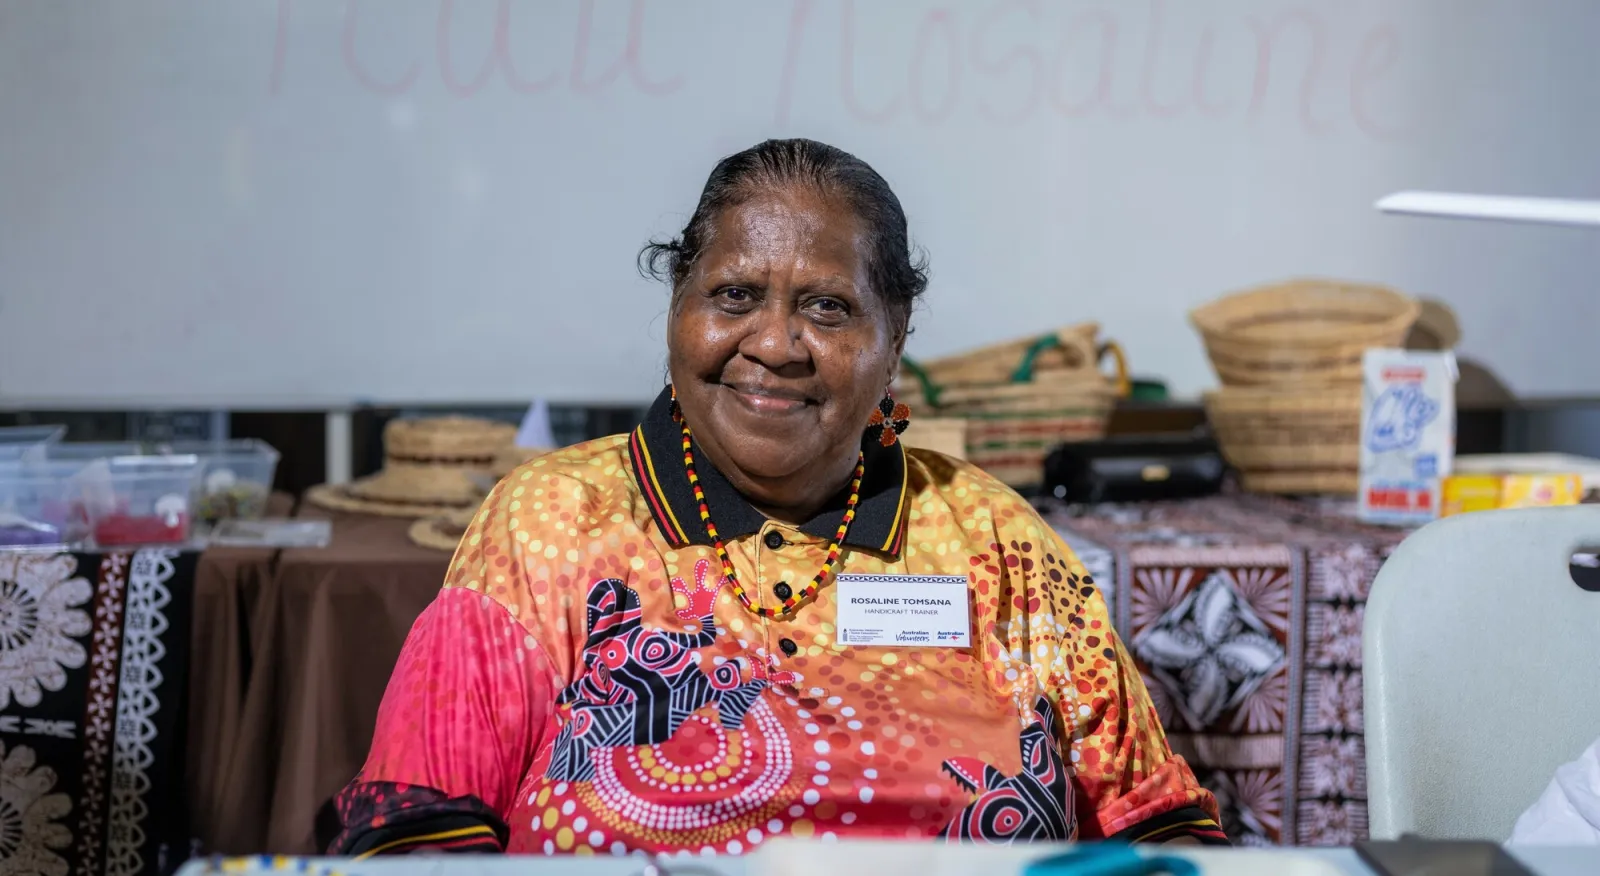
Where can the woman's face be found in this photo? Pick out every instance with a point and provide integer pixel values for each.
(779, 348)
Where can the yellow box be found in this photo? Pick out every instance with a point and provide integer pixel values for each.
(1537, 491)
(1475, 492)
(1487, 492)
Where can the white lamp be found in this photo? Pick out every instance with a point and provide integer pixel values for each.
(1550, 211)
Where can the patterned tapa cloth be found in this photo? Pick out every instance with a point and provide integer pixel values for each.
(1244, 615)
(94, 652)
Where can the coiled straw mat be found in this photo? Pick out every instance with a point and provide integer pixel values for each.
(430, 466)
(443, 532)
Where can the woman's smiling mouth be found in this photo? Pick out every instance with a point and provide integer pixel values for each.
(767, 400)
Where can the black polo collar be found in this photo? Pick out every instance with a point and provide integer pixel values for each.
(656, 449)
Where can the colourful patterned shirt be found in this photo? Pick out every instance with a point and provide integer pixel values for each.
(586, 682)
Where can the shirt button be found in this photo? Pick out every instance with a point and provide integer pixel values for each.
(788, 647)
(782, 590)
(774, 539)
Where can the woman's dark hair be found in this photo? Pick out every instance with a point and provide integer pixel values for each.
(896, 273)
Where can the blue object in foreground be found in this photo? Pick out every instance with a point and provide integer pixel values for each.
(1110, 859)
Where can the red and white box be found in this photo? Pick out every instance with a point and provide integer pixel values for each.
(1408, 433)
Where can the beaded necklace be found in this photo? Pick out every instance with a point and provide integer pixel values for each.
(803, 593)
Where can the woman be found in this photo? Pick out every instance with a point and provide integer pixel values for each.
(636, 645)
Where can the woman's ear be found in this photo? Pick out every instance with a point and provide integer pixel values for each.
(900, 335)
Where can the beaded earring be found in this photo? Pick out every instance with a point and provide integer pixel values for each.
(890, 418)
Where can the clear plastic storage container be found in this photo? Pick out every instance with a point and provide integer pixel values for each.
(89, 451)
(27, 442)
(135, 500)
(41, 505)
(236, 478)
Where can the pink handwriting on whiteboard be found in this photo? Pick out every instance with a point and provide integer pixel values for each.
(581, 79)
(961, 60)
(1008, 62)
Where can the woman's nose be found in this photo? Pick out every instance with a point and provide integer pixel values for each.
(776, 337)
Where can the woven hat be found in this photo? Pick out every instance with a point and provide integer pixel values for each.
(430, 466)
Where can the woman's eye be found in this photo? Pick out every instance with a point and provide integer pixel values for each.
(830, 306)
(735, 299)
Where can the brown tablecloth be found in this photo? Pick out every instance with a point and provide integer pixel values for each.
(227, 586)
(326, 633)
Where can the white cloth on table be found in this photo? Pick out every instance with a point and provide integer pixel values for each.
(1568, 813)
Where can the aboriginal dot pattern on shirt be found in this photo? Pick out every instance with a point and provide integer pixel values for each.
(587, 676)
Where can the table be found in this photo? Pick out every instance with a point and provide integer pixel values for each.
(326, 631)
(1541, 861)
(1280, 744)
(94, 665)
(1274, 730)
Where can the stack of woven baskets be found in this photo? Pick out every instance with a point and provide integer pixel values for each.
(1019, 399)
(1288, 415)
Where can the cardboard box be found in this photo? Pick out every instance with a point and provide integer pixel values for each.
(1408, 434)
(1489, 492)
(1587, 469)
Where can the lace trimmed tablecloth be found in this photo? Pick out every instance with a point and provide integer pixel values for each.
(94, 652)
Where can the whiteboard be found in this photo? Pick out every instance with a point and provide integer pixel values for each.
(317, 202)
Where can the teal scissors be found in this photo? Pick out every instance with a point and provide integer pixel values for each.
(1110, 859)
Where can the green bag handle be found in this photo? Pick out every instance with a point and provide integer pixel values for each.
(1024, 372)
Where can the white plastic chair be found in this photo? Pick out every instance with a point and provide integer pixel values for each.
(1482, 671)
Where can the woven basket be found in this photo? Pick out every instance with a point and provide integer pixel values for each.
(1072, 348)
(1013, 426)
(947, 435)
(1291, 440)
(1301, 332)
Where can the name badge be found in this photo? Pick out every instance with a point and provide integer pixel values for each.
(903, 610)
